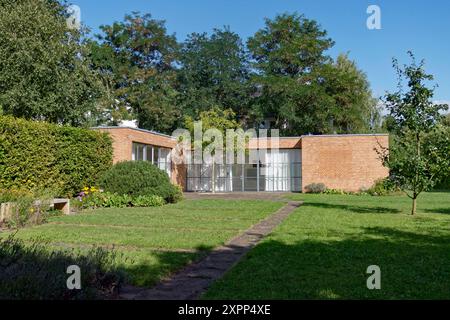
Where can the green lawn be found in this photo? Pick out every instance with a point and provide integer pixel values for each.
(154, 242)
(323, 249)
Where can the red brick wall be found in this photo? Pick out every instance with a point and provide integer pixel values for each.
(347, 162)
(283, 143)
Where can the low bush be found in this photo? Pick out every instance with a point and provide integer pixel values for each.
(140, 178)
(32, 271)
(148, 201)
(383, 187)
(105, 200)
(93, 198)
(336, 191)
(316, 188)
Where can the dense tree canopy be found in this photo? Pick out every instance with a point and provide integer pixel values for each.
(214, 72)
(136, 70)
(302, 89)
(44, 70)
(136, 58)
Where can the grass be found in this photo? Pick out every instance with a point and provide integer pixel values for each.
(323, 249)
(153, 242)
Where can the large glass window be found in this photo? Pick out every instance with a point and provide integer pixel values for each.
(278, 171)
(158, 156)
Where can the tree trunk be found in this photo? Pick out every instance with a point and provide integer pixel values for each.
(414, 206)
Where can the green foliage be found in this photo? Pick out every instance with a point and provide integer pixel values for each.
(32, 271)
(37, 156)
(95, 200)
(383, 187)
(44, 67)
(27, 208)
(105, 200)
(139, 178)
(335, 192)
(135, 58)
(301, 88)
(214, 73)
(419, 156)
(148, 201)
(316, 188)
(292, 81)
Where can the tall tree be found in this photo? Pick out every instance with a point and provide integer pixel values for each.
(137, 60)
(353, 108)
(301, 88)
(420, 153)
(44, 70)
(214, 72)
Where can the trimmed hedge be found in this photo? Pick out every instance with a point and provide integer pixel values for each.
(37, 155)
(140, 178)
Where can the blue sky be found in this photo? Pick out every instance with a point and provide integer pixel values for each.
(418, 25)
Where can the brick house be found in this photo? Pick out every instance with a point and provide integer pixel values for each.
(347, 162)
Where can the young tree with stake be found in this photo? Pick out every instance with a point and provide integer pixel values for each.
(419, 153)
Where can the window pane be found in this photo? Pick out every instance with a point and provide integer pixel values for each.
(149, 154)
(140, 155)
(155, 155)
(138, 151)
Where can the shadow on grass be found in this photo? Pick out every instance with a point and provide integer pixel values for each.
(32, 271)
(144, 273)
(353, 208)
(413, 266)
(439, 210)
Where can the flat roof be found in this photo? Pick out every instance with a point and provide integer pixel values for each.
(136, 129)
(347, 135)
(297, 137)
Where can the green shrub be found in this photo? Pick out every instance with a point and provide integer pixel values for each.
(336, 192)
(148, 201)
(37, 155)
(32, 271)
(383, 187)
(139, 178)
(316, 188)
(105, 200)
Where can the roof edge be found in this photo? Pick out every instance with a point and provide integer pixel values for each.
(347, 135)
(297, 137)
(136, 129)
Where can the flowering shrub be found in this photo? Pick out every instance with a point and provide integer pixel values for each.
(93, 198)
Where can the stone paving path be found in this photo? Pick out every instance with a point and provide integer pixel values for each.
(192, 281)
